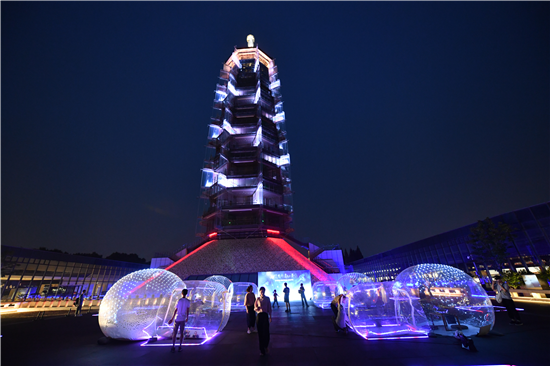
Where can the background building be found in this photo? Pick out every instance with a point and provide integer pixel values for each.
(529, 250)
(37, 274)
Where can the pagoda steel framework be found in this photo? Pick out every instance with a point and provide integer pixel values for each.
(246, 185)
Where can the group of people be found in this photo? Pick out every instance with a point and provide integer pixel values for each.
(259, 313)
(259, 310)
(286, 291)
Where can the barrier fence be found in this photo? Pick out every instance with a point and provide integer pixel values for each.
(47, 305)
(517, 294)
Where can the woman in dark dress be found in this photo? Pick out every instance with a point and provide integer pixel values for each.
(249, 300)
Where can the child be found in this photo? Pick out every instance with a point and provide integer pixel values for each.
(275, 299)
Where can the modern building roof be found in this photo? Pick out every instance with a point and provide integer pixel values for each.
(65, 257)
(529, 248)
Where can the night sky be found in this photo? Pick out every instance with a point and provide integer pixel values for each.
(405, 120)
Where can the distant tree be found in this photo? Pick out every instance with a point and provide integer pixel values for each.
(514, 279)
(6, 267)
(351, 255)
(358, 253)
(92, 254)
(52, 250)
(346, 256)
(354, 254)
(490, 242)
(125, 257)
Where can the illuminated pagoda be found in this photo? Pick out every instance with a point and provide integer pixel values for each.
(245, 223)
(246, 176)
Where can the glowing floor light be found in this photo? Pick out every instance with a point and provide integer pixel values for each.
(147, 344)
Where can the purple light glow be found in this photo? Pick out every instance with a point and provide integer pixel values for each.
(372, 335)
(383, 338)
(170, 345)
(397, 331)
(502, 308)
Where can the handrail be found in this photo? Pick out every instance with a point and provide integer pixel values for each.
(531, 294)
(529, 290)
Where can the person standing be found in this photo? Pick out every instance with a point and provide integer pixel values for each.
(427, 304)
(249, 300)
(79, 303)
(286, 291)
(182, 307)
(340, 320)
(302, 292)
(262, 306)
(503, 291)
(380, 305)
(275, 295)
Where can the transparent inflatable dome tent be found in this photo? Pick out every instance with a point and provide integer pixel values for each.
(237, 291)
(133, 308)
(208, 312)
(226, 282)
(442, 299)
(371, 311)
(323, 293)
(347, 281)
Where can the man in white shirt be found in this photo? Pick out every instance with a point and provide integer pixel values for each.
(182, 307)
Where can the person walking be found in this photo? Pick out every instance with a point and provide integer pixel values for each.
(275, 295)
(502, 291)
(182, 307)
(262, 306)
(302, 292)
(286, 291)
(249, 300)
(79, 303)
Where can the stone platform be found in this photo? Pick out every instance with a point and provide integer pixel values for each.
(304, 337)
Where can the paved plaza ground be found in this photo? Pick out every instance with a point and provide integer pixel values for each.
(304, 337)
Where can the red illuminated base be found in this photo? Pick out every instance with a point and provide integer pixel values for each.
(246, 256)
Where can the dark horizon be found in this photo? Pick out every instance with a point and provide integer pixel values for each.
(405, 120)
